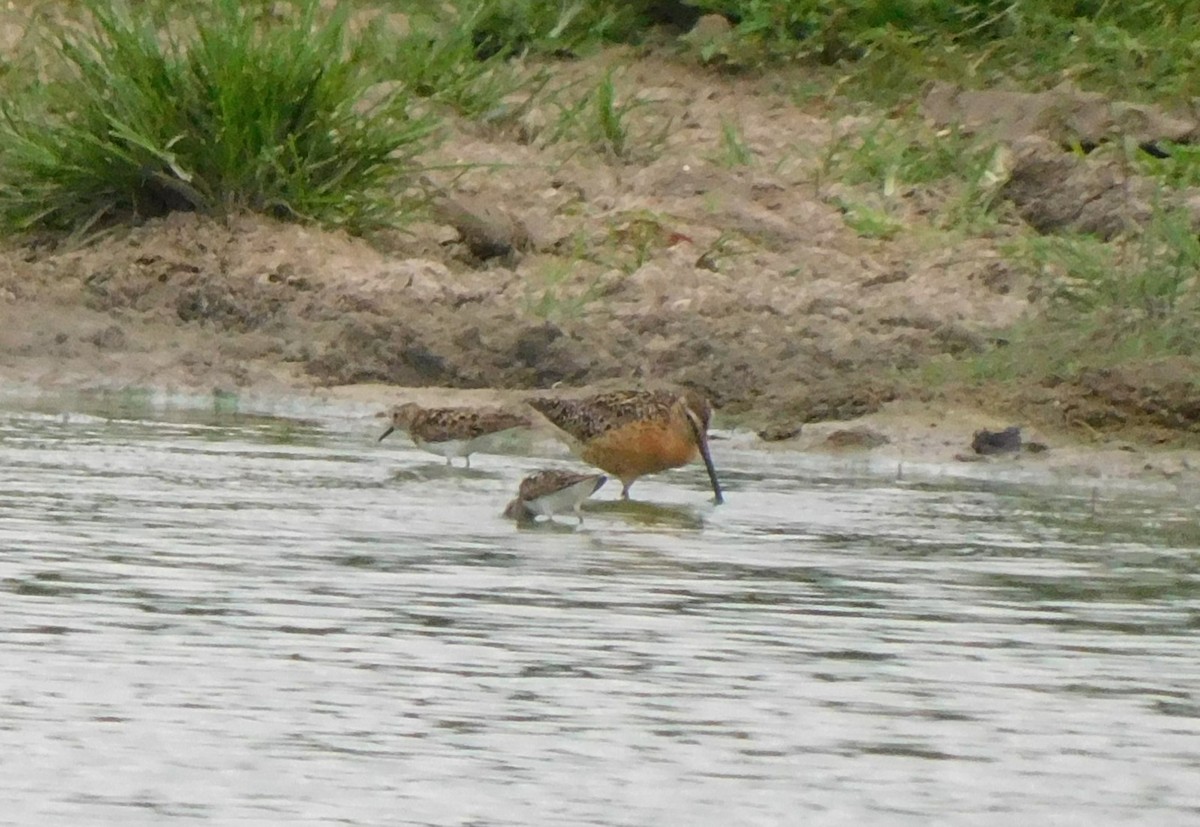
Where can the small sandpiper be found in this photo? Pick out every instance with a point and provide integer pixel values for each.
(454, 432)
(633, 433)
(553, 491)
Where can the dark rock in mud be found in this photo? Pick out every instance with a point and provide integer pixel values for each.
(488, 230)
(779, 432)
(534, 341)
(111, 337)
(987, 443)
(1056, 191)
(549, 355)
(424, 361)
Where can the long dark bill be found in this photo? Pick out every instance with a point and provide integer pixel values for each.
(385, 433)
(702, 442)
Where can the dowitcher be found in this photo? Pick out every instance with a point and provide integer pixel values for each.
(454, 432)
(633, 433)
(551, 492)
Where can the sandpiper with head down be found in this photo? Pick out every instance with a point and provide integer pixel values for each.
(454, 432)
(633, 433)
(553, 491)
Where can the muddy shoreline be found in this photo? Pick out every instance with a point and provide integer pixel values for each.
(744, 281)
(902, 434)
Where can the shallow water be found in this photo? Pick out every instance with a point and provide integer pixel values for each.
(219, 619)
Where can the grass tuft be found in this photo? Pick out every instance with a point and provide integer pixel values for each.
(1105, 302)
(734, 150)
(611, 124)
(558, 291)
(224, 112)
(442, 61)
(882, 50)
(899, 158)
(605, 121)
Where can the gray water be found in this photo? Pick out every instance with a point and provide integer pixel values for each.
(223, 619)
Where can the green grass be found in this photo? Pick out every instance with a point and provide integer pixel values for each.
(548, 27)
(884, 50)
(734, 150)
(610, 127)
(888, 49)
(1179, 169)
(1104, 303)
(868, 221)
(897, 157)
(1148, 276)
(894, 152)
(606, 121)
(219, 113)
(555, 292)
(440, 60)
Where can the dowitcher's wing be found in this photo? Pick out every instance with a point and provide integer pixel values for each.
(585, 419)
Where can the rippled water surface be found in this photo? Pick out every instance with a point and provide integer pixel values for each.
(237, 620)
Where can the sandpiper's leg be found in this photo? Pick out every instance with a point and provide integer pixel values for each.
(625, 490)
(579, 512)
(468, 459)
(449, 462)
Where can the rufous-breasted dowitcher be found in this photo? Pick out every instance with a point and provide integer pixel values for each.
(454, 432)
(633, 433)
(553, 491)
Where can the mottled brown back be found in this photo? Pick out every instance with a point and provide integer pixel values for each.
(593, 416)
(442, 424)
(551, 480)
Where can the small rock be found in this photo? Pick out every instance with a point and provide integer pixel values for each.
(709, 28)
(425, 362)
(779, 432)
(710, 40)
(988, 442)
(856, 438)
(110, 338)
(488, 230)
(533, 342)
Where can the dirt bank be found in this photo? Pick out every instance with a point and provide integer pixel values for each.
(745, 280)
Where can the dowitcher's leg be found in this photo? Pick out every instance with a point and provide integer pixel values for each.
(468, 459)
